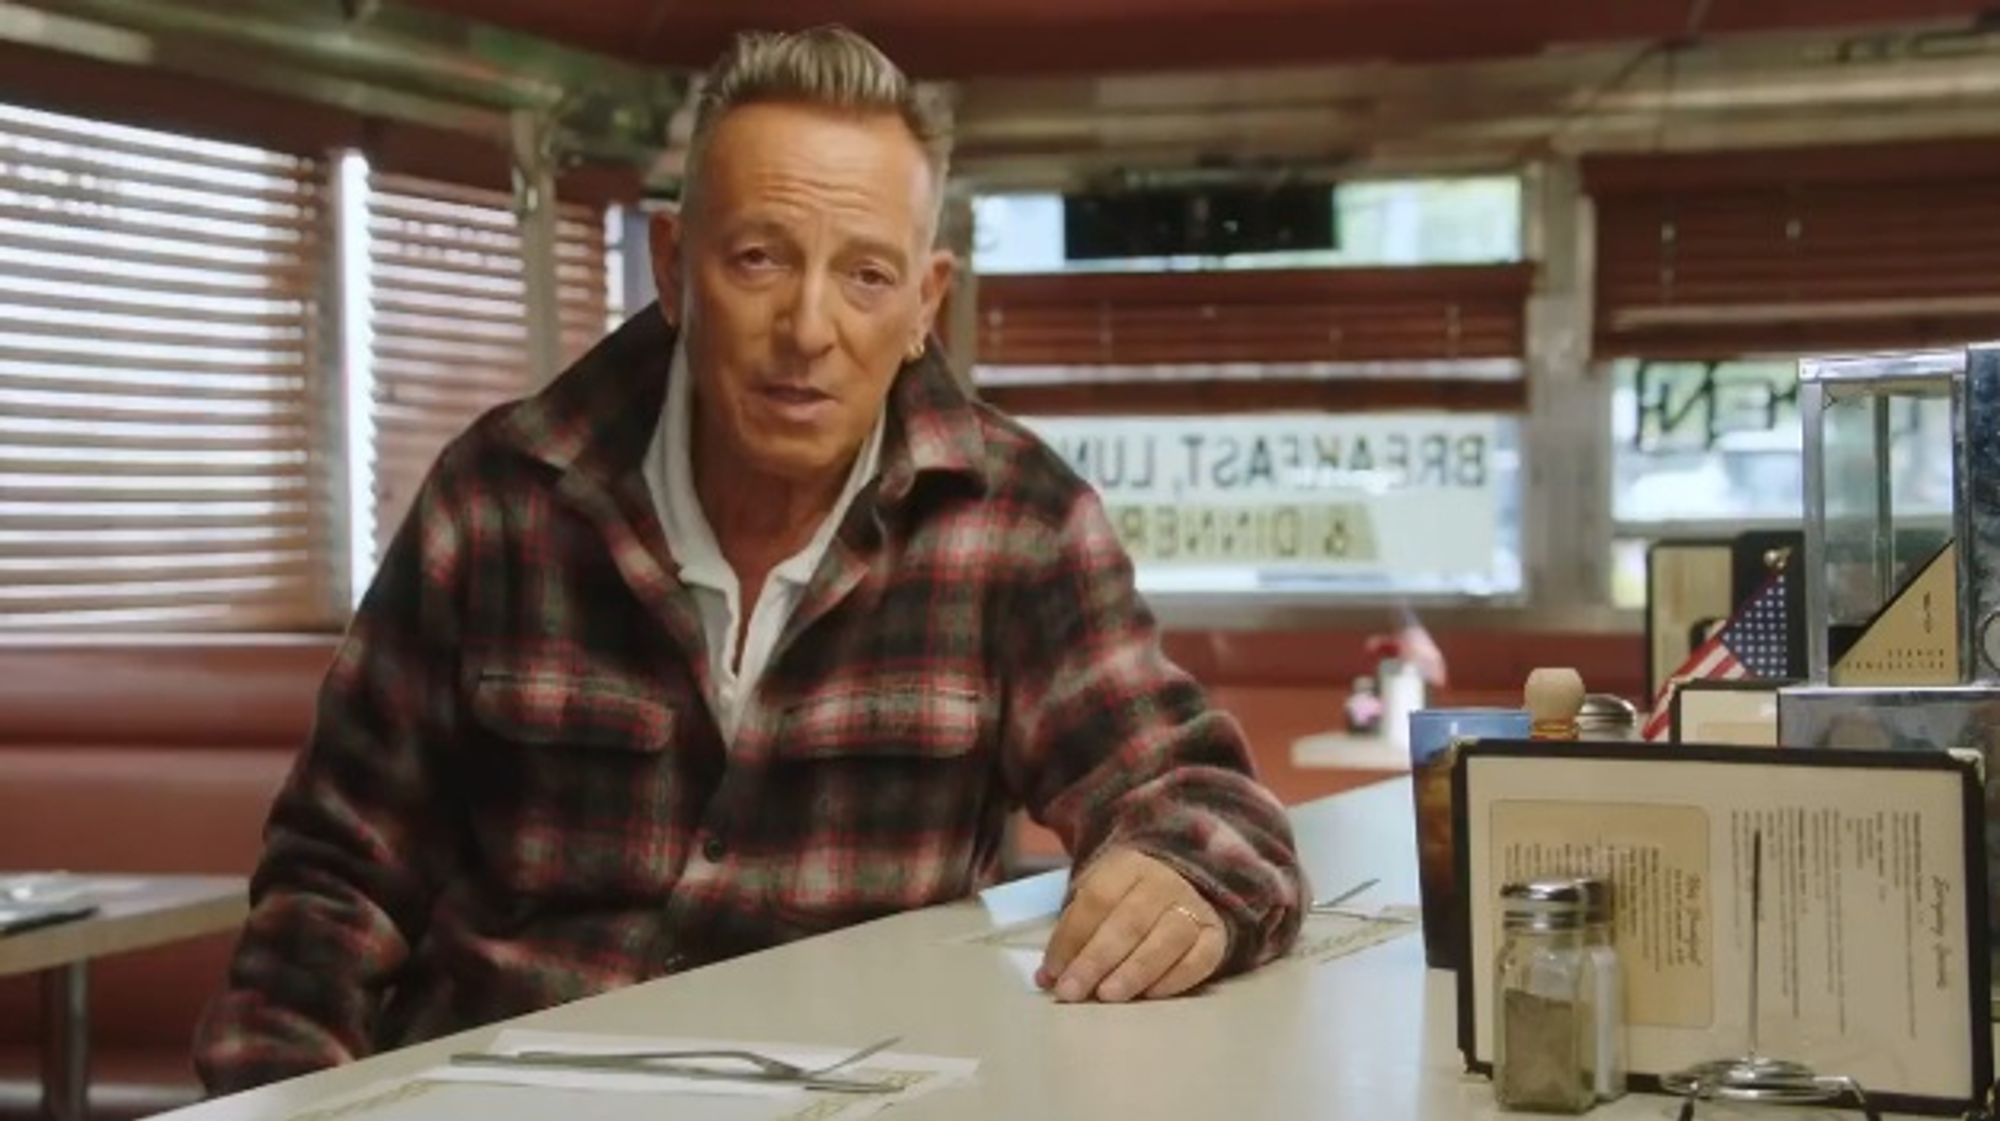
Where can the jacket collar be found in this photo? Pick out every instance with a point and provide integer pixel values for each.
(598, 417)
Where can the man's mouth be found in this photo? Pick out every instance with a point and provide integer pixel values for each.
(794, 402)
(794, 394)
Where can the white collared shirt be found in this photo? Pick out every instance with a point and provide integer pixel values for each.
(669, 471)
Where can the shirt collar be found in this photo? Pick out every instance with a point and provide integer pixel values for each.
(681, 517)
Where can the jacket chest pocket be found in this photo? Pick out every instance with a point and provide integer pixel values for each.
(880, 795)
(578, 782)
(581, 710)
(898, 720)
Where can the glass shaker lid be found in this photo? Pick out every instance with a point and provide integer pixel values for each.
(1544, 904)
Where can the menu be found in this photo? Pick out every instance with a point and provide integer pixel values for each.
(1656, 859)
(1867, 931)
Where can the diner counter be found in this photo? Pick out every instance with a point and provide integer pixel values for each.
(1369, 1035)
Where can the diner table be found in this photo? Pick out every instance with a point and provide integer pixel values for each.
(133, 913)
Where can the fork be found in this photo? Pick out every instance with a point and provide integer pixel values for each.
(1333, 906)
(765, 1068)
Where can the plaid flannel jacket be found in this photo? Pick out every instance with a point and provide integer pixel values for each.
(515, 794)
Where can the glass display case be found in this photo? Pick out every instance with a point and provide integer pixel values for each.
(1877, 513)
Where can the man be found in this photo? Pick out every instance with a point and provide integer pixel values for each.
(750, 626)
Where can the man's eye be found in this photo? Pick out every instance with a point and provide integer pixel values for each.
(873, 277)
(755, 257)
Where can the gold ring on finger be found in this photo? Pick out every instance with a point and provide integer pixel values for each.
(1188, 913)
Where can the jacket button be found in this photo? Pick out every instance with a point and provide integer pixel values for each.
(713, 848)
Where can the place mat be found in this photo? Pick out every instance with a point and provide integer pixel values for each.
(1322, 937)
(1326, 937)
(1340, 751)
(424, 1099)
(47, 889)
(506, 1094)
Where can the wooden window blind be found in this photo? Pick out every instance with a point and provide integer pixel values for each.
(1800, 250)
(1092, 342)
(449, 319)
(161, 464)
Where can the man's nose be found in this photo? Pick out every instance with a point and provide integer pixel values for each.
(809, 321)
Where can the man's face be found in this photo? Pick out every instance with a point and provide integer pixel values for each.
(804, 274)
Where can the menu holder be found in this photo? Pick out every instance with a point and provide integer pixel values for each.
(1689, 591)
(1873, 935)
(1736, 713)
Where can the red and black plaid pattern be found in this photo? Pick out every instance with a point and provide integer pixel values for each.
(515, 794)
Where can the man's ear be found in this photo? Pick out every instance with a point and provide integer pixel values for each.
(665, 240)
(936, 281)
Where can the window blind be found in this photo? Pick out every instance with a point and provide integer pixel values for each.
(161, 464)
(1786, 251)
(1434, 313)
(1444, 336)
(448, 317)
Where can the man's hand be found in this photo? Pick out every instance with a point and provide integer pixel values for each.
(1133, 928)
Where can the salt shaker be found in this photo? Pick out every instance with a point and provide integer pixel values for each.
(1544, 1020)
(1606, 982)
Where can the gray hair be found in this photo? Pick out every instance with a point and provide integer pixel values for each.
(827, 66)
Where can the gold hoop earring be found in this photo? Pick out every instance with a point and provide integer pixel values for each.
(916, 351)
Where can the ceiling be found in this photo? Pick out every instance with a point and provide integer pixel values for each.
(1053, 94)
(1747, 91)
(958, 39)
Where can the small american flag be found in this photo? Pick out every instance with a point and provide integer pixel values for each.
(1752, 644)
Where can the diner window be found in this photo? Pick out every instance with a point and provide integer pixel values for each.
(164, 457)
(1710, 448)
(1386, 222)
(445, 308)
(188, 440)
(1340, 422)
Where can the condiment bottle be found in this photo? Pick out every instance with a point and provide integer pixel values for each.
(1553, 697)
